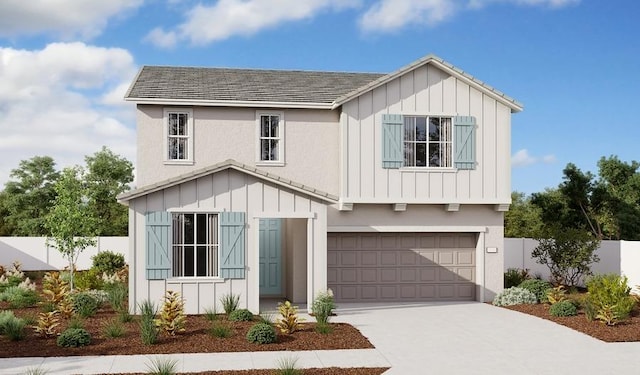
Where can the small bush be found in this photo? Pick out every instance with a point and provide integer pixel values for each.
(515, 276)
(107, 262)
(563, 308)
(557, 294)
(220, 330)
(324, 328)
(515, 296)
(230, 302)
(5, 316)
(287, 366)
(261, 333)
(608, 299)
(76, 322)
(117, 295)
(85, 304)
(322, 307)
(538, 287)
(14, 329)
(89, 279)
(211, 314)
(20, 298)
(241, 315)
(113, 328)
(148, 328)
(162, 366)
(73, 338)
(289, 321)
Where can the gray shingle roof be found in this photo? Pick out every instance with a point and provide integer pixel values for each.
(252, 85)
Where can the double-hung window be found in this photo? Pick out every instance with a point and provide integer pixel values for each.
(179, 135)
(427, 142)
(271, 138)
(195, 244)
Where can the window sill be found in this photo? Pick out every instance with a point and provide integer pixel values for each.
(178, 162)
(428, 169)
(263, 163)
(196, 279)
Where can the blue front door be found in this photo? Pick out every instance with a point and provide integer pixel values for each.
(271, 257)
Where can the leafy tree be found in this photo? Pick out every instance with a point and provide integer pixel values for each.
(70, 224)
(27, 198)
(523, 218)
(568, 253)
(108, 175)
(5, 228)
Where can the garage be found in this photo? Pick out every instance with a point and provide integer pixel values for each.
(401, 267)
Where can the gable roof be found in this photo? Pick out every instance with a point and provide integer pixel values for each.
(228, 164)
(245, 86)
(277, 88)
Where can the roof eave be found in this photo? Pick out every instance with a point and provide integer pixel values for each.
(513, 104)
(229, 103)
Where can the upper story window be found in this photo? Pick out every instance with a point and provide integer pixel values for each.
(195, 244)
(179, 135)
(427, 142)
(271, 138)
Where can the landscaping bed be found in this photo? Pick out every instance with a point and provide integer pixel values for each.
(307, 371)
(626, 331)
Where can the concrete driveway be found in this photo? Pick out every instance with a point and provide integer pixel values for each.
(476, 338)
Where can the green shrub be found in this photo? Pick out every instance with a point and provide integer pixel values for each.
(211, 314)
(230, 302)
(515, 296)
(117, 295)
(20, 298)
(14, 328)
(107, 262)
(261, 333)
(608, 299)
(162, 366)
(36, 371)
(220, 330)
(515, 276)
(241, 315)
(73, 338)
(322, 307)
(563, 308)
(324, 328)
(85, 304)
(113, 328)
(89, 279)
(538, 287)
(287, 366)
(148, 328)
(5, 316)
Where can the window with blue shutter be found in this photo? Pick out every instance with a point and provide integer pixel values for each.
(392, 135)
(232, 245)
(158, 242)
(464, 142)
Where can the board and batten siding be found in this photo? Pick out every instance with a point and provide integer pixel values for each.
(227, 190)
(426, 90)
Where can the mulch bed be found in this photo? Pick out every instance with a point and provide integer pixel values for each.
(626, 331)
(307, 371)
(196, 339)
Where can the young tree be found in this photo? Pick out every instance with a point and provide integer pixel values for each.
(69, 223)
(27, 197)
(523, 218)
(568, 253)
(108, 175)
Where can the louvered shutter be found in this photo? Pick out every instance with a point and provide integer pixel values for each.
(464, 142)
(158, 242)
(232, 245)
(392, 133)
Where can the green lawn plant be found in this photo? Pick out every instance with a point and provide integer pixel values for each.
(85, 304)
(148, 328)
(211, 314)
(162, 366)
(73, 338)
(220, 329)
(113, 328)
(107, 262)
(287, 366)
(537, 287)
(323, 306)
(515, 296)
(13, 328)
(241, 315)
(608, 299)
(515, 276)
(230, 302)
(563, 308)
(261, 333)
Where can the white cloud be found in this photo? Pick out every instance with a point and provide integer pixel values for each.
(522, 158)
(62, 101)
(67, 18)
(391, 15)
(228, 18)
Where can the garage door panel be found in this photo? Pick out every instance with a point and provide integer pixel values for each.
(402, 266)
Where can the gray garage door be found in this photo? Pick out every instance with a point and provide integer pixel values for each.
(401, 266)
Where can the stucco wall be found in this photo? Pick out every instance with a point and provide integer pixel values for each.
(425, 91)
(311, 144)
(483, 220)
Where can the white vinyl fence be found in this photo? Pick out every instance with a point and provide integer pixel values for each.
(619, 257)
(35, 255)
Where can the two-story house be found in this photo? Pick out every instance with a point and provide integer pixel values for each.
(273, 183)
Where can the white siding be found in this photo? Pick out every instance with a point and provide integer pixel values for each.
(227, 190)
(429, 91)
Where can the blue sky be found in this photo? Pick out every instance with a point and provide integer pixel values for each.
(575, 64)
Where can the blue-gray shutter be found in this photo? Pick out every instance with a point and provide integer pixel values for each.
(464, 142)
(392, 136)
(158, 239)
(232, 248)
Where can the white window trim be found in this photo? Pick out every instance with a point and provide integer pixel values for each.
(452, 168)
(165, 136)
(198, 278)
(281, 129)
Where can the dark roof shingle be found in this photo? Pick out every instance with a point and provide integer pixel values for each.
(251, 85)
